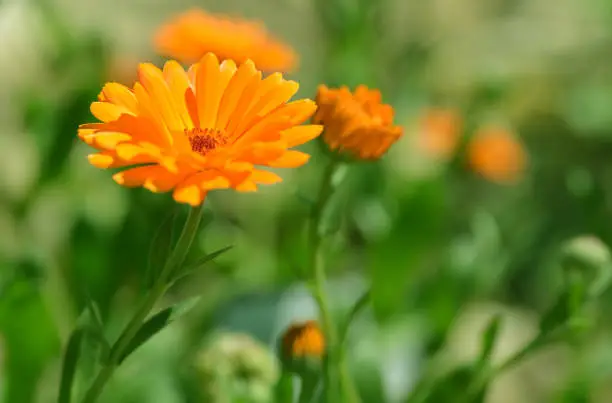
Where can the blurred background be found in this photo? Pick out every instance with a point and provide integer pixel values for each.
(446, 238)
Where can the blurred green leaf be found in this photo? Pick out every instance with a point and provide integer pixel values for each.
(457, 386)
(161, 247)
(395, 261)
(69, 366)
(157, 323)
(489, 337)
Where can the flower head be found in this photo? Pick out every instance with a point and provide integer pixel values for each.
(303, 340)
(497, 155)
(356, 122)
(209, 128)
(439, 132)
(194, 33)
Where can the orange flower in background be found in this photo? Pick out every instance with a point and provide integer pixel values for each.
(208, 128)
(194, 33)
(497, 155)
(303, 340)
(356, 122)
(439, 132)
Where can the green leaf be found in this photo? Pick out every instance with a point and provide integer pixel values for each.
(69, 366)
(157, 323)
(489, 337)
(200, 263)
(161, 247)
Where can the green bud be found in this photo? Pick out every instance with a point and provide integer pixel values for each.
(235, 367)
(302, 348)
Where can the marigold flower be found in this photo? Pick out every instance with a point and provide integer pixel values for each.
(439, 132)
(194, 33)
(208, 128)
(356, 122)
(303, 340)
(497, 155)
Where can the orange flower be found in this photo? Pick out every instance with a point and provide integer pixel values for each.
(497, 155)
(208, 128)
(439, 132)
(192, 34)
(356, 122)
(303, 340)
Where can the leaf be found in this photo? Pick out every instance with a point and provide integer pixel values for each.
(200, 263)
(161, 247)
(69, 366)
(157, 323)
(489, 337)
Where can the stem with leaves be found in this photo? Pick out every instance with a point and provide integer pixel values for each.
(175, 260)
(335, 360)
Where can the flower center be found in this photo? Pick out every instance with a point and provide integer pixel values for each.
(204, 140)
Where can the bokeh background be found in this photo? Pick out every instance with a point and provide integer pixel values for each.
(444, 247)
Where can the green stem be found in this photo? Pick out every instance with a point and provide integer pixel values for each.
(317, 264)
(308, 388)
(176, 259)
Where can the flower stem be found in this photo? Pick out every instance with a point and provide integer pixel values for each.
(335, 361)
(175, 260)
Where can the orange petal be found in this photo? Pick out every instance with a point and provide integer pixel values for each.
(291, 159)
(137, 176)
(265, 177)
(106, 159)
(121, 96)
(149, 111)
(244, 103)
(213, 79)
(106, 140)
(247, 186)
(273, 92)
(301, 134)
(163, 182)
(233, 92)
(105, 112)
(189, 191)
(178, 82)
(162, 100)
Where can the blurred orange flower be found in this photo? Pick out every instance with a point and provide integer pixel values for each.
(192, 34)
(439, 132)
(208, 128)
(496, 154)
(356, 122)
(303, 340)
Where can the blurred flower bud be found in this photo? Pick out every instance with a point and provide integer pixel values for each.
(302, 347)
(439, 132)
(235, 367)
(591, 258)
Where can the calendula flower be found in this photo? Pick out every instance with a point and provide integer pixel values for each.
(303, 340)
(356, 122)
(496, 154)
(212, 127)
(439, 132)
(191, 35)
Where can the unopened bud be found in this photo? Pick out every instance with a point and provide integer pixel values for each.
(302, 347)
